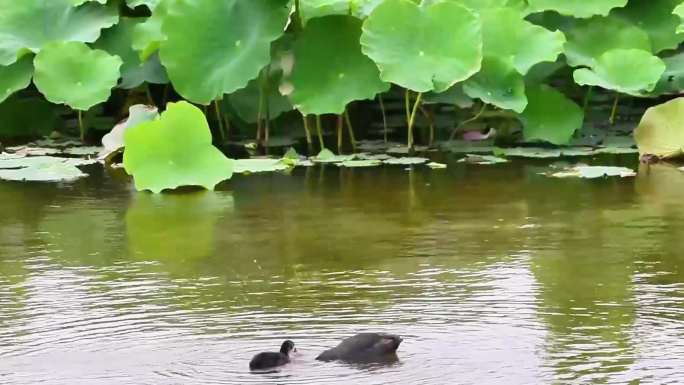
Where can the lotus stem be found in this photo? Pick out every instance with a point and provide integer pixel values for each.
(613, 112)
(81, 127)
(407, 105)
(431, 124)
(219, 119)
(339, 132)
(463, 123)
(352, 137)
(413, 119)
(384, 117)
(587, 98)
(307, 132)
(319, 131)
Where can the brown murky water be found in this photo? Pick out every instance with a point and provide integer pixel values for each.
(493, 275)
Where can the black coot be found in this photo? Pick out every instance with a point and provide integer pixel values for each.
(364, 347)
(266, 360)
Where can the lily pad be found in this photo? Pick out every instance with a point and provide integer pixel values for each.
(252, 166)
(550, 116)
(436, 166)
(592, 172)
(576, 8)
(351, 76)
(73, 74)
(630, 71)
(591, 38)
(529, 152)
(29, 25)
(15, 77)
(327, 156)
(27, 150)
(660, 131)
(137, 114)
(465, 147)
(175, 150)
(406, 161)
(426, 48)
(482, 159)
(40, 169)
(211, 50)
(360, 163)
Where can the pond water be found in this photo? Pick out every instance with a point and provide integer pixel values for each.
(492, 274)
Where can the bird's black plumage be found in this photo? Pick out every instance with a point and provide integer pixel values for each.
(266, 360)
(364, 347)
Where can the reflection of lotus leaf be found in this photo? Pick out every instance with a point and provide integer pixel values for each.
(174, 228)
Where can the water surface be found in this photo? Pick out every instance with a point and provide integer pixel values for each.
(493, 275)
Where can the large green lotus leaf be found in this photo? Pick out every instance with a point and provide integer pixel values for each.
(309, 9)
(26, 117)
(28, 25)
(591, 38)
(661, 130)
(679, 11)
(117, 41)
(175, 150)
(576, 8)
(630, 71)
(657, 19)
(137, 114)
(498, 83)
(550, 116)
(426, 48)
(15, 77)
(215, 47)
(672, 80)
(507, 34)
(245, 101)
(147, 36)
(73, 74)
(330, 70)
(151, 4)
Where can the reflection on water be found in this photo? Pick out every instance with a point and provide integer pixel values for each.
(492, 276)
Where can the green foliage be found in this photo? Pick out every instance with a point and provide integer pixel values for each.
(15, 77)
(175, 150)
(216, 47)
(73, 74)
(630, 71)
(28, 25)
(550, 116)
(411, 48)
(498, 83)
(576, 8)
(328, 57)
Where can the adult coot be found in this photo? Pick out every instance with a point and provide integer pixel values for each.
(266, 360)
(364, 347)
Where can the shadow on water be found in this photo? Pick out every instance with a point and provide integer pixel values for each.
(491, 274)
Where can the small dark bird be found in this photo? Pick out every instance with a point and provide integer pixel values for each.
(266, 360)
(364, 348)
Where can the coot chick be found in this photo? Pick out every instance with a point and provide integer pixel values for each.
(364, 348)
(266, 360)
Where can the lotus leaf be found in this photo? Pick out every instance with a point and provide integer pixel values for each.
(251, 166)
(327, 156)
(660, 131)
(137, 114)
(40, 169)
(151, 4)
(15, 77)
(550, 116)
(175, 150)
(360, 163)
(591, 38)
(27, 117)
(679, 11)
(310, 9)
(630, 71)
(482, 159)
(592, 172)
(498, 83)
(407, 161)
(328, 57)
(576, 8)
(245, 102)
(74, 74)
(453, 95)
(529, 152)
(436, 166)
(657, 19)
(28, 25)
(117, 41)
(672, 80)
(211, 50)
(147, 36)
(426, 48)
(506, 34)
